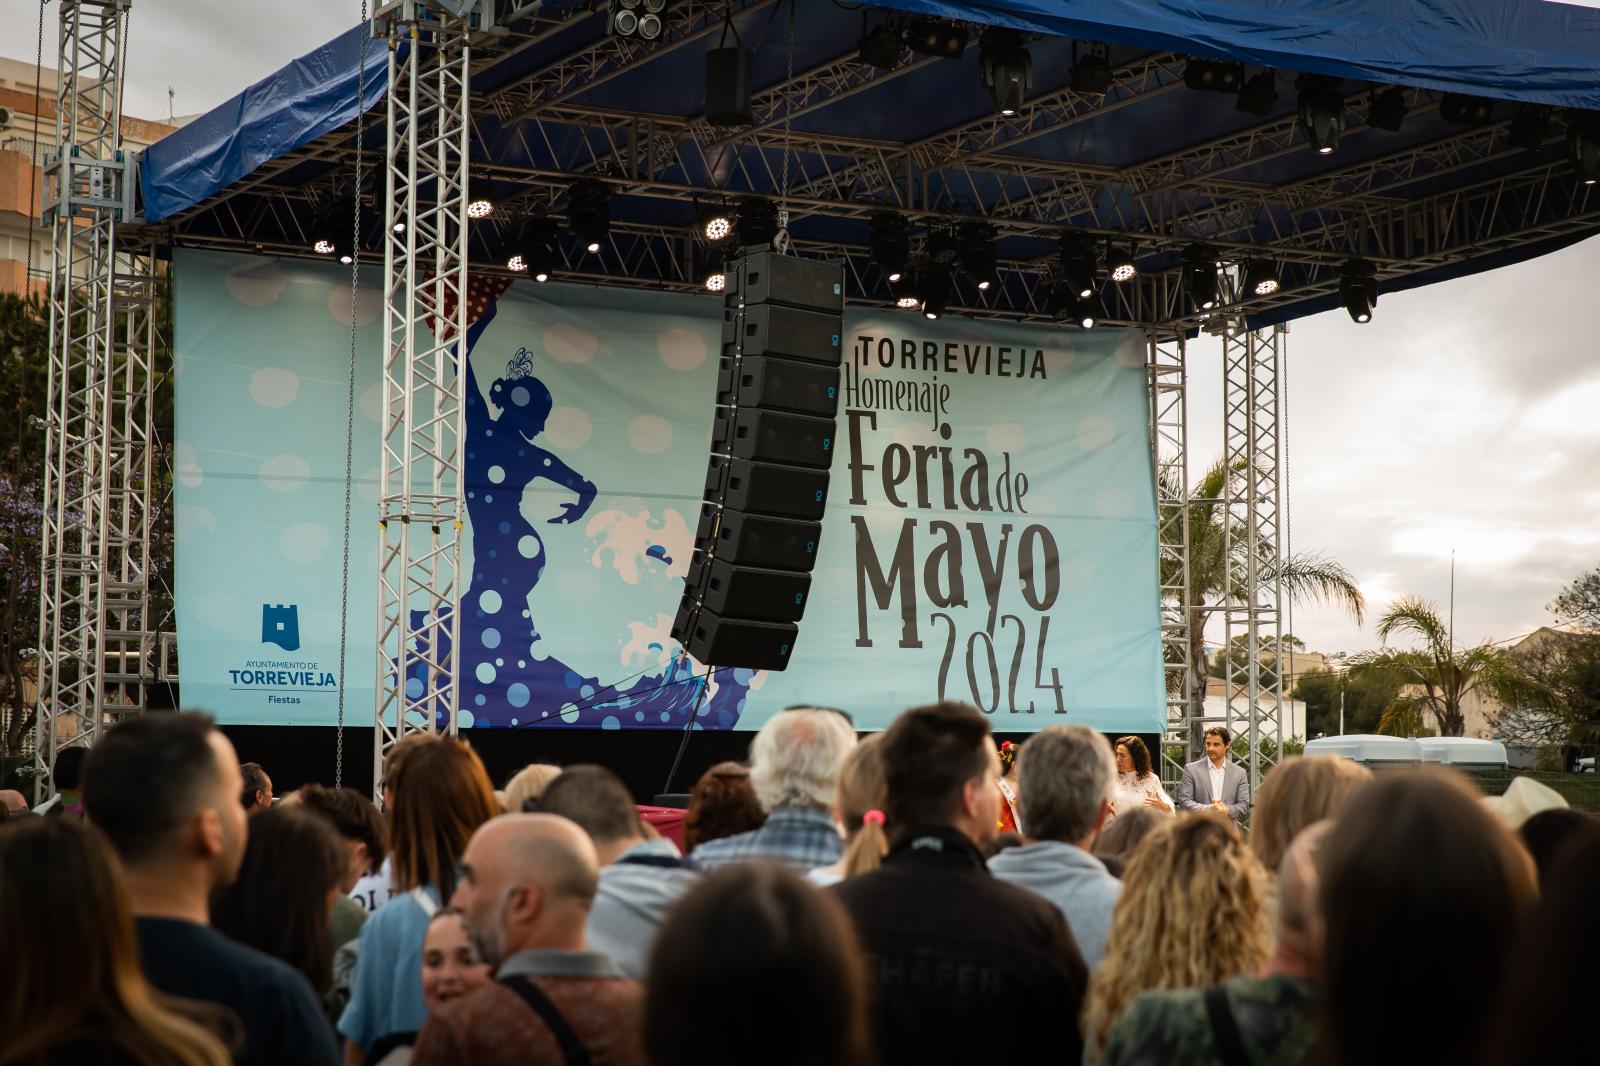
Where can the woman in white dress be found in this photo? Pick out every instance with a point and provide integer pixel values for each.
(1137, 784)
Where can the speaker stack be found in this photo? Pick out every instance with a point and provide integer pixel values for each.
(772, 444)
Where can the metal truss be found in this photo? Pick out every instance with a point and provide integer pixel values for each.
(1253, 562)
(93, 629)
(1169, 455)
(425, 312)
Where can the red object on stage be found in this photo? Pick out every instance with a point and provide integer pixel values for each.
(668, 821)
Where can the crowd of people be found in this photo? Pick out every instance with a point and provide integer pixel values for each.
(920, 895)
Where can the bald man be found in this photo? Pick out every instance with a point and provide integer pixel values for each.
(527, 882)
(12, 802)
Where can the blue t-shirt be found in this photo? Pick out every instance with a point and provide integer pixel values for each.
(386, 991)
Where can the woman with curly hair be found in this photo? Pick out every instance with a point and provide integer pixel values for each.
(1190, 916)
(723, 804)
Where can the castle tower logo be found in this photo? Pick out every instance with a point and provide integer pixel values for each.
(280, 625)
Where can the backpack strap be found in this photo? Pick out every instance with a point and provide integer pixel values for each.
(573, 1049)
(1225, 1028)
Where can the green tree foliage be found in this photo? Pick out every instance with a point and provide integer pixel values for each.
(1365, 698)
(1434, 677)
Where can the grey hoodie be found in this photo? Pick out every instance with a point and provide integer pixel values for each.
(636, 891)
(1075, 881)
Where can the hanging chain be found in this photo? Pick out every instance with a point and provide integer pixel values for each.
(350, 392)
(1288, 509)
(782, 241)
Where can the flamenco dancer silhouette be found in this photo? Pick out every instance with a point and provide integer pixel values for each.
(505, 677)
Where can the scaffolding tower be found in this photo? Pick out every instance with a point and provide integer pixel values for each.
(95, 643)
(425, 314)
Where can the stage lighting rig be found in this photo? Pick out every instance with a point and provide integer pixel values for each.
(1583, 146)
(1388, 110)
(1358, 288)
(907, 294)
(1200, 275)
(889, 243)
(1087, 311)
(716, 224)
(332, 230)
(757, 222)
(713, 267)
(935, 37)
(944, 247)
(934, 280)
(1120, 266)
(644, 19)
(589, 213)
(533, 251)
(1321, 107)
(1465, 110)
(1530, 126)
(480, 197)
(1261, 278)
(1076, 257)
(978, 256)
(1091, 72)
(1213, 75)
(1259, 94)
(1006, 69)
(880, 46)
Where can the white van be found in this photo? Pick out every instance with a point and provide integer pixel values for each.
(1466, 752)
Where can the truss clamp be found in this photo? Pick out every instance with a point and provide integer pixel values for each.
(76, 186)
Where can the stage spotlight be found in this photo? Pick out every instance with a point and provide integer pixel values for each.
(533, 250)
(934, 282)
(1321, 108)
(906, 292)
(1120, 265)
(757, 222)
(332, 229)
(1358, 288)
(713, 270)
(1259, 94)
(1091, 72)
(588, 213)
(889, 243)
(1062, 300)
(480, 197)
(1530, 126)
(1261, 278)
(880, 47)
(1465, 110)
(1388, 110)
(944, 247)
(1006, 68)
(1087, 311)
(1200, 275)
(1583, 146)
(716, 224)
(978, 255)
(1212, 75)
(1077, 261)
(933, 37)
(645, 19)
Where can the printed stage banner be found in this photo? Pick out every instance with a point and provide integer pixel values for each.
(990, 533)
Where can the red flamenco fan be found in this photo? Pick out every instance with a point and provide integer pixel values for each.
(482, 292)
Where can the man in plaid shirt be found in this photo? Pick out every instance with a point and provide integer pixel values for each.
(794, 767)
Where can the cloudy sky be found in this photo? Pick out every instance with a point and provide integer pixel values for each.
(1465, 416)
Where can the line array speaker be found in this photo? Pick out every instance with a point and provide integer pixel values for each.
(772, 444)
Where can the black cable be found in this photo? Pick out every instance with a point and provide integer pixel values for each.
(688, 727)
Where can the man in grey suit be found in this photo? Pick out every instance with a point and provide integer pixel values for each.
(1214, 783)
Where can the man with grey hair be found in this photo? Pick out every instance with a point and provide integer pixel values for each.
(527, 883)
(794, 769)
(1065, 775)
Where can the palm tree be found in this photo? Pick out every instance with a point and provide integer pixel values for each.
(1437, 678)
(1304, 575)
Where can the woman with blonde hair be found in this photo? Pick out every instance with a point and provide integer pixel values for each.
(441, 796)
(528, 784)
(862, 796)
(1190, 916)
(75, 993)
(1297, 793)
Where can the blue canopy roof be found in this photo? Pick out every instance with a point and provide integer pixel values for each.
(1143, 160)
